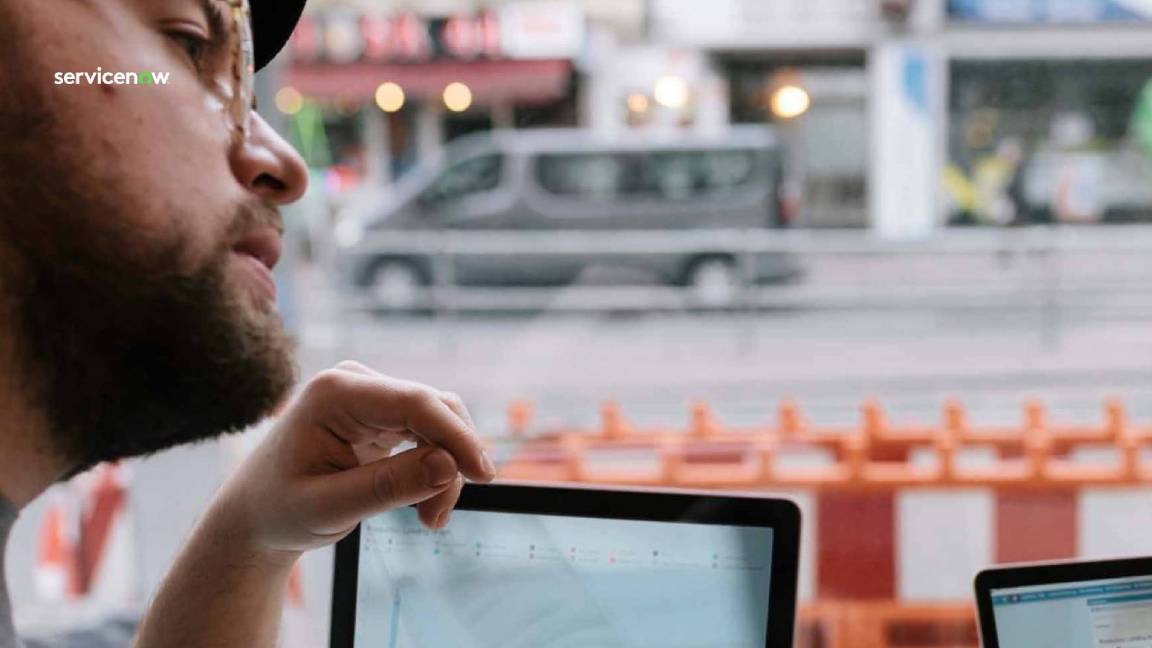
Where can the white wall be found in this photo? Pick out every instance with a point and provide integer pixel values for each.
(906, 79)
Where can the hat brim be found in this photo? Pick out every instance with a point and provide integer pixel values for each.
(272, 25)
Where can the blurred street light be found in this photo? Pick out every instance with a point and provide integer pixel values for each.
(638, 102)
(389, 97)
(790, 101)
(289, 100)
(457, 97)
(671, 92)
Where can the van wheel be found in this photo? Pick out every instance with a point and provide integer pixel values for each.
(396, 286)
(714, 283)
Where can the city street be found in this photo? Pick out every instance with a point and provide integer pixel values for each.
(891, 260)
(656, 364)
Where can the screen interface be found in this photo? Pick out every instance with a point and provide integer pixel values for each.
(503, 580)
(1113, 613)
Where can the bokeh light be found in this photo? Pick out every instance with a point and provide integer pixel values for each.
(790, 101)
(390, 97)
(671, 92)
(289, 100)
(457, 97)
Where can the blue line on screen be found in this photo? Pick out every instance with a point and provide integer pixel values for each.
(393, 631)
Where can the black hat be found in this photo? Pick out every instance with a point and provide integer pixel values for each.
(272, 25)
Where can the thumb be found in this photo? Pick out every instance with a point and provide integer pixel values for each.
(346, 497)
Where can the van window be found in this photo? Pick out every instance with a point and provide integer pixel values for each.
(677, 175)
(466, 177)
(589, 176)
(663, 175)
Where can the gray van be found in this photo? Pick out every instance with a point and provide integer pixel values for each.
(540, 207)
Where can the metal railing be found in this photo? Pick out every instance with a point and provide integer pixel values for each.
(1045, 269)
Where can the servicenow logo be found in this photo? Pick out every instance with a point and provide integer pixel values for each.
(100, 77)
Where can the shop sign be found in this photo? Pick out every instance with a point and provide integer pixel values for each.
(516, 30)
(1049, 11)
(537, 30)
(773, 23)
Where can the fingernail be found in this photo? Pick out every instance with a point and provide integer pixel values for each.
(442, 519)
(489, 467)
(439, 468)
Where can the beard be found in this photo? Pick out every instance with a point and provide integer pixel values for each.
(125, 361)
(121, 343)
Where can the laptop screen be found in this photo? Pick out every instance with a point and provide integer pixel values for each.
(513, 580)
(1116, 613)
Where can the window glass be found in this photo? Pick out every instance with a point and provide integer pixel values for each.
(688, 174)
(467, 177)
(662, 175)
(592, 176)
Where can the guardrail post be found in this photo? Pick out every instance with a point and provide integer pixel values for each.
(703, 424)
(520, 413)
(766, 450)
(671, 459)
(1115, 420)
(1037, 442)
(948, 439)
(612, 425)
(873, 420)
(574, 447)
(789, 422)
(1126, 439)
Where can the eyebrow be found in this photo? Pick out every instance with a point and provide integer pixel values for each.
(213, 13)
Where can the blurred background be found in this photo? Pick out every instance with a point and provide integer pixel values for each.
(834, 218)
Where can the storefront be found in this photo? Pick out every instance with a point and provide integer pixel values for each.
(804, 69)
(1047, 114)
(389, 89)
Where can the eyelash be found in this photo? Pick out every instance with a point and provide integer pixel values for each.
(194, 47)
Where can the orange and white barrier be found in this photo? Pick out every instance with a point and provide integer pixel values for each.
(897, 520)
(86, 542)
(54, 560)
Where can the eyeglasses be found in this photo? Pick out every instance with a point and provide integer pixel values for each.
(239, 105)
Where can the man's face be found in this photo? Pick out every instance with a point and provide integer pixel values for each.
(136, 227)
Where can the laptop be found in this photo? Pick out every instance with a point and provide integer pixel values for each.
(543, 567)
(1067, 604)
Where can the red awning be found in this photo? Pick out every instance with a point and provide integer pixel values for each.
(510, 80)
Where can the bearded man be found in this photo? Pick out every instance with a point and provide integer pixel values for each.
(138, 229)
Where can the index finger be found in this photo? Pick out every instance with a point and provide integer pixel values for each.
(357, 406)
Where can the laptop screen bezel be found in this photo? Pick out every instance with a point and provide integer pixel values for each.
(1047, 573)
(780, 515)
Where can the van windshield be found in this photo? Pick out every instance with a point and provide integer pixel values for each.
(466, 177)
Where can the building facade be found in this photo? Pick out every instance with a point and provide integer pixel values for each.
(902, 116)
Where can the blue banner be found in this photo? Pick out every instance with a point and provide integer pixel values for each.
(1049, 11)
(1075, 591)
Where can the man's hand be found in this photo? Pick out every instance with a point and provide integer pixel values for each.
(326, 464)
(323, 467)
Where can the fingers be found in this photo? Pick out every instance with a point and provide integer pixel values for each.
(360, 406)
(451, 399)
(456, 404)
(411, 477)
(435, 511)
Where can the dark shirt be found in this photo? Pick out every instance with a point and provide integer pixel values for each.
(7, 632)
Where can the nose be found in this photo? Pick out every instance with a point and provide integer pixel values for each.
(268, 166)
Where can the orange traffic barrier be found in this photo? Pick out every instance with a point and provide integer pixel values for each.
(74, 540)
(875, 453)
(519, 417)
(54, 564)
(886, 625)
